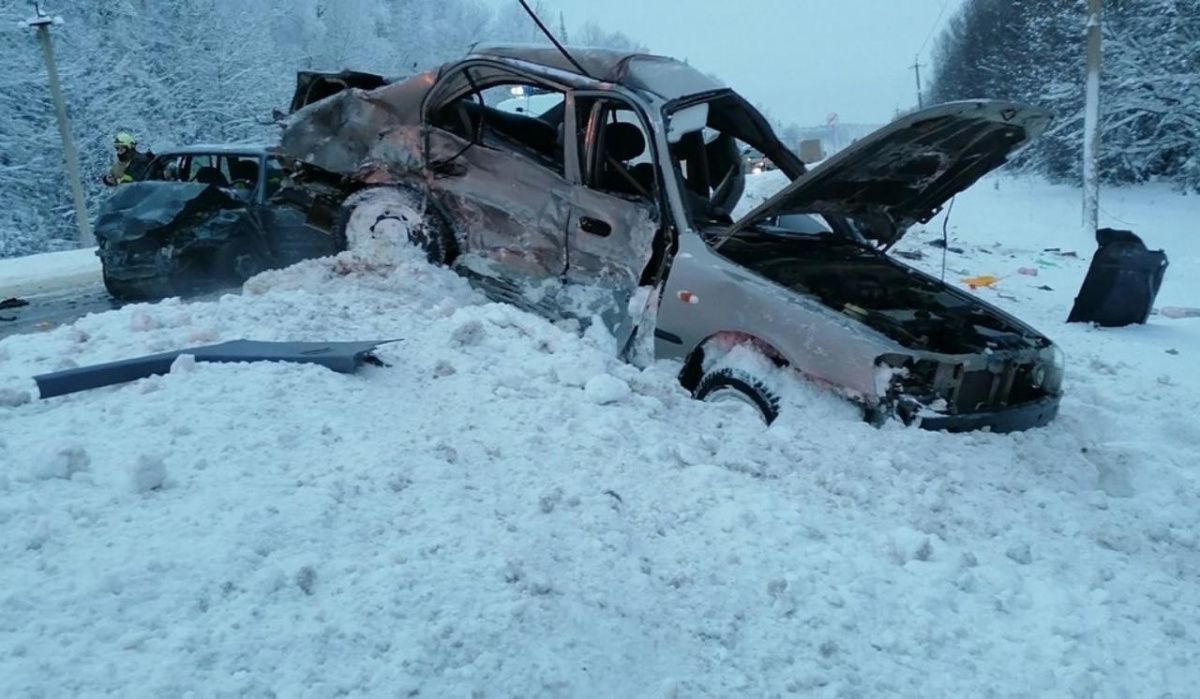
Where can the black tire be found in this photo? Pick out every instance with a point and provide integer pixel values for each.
(234, 263)
(754, 390)
(151, 289)
(434, 236)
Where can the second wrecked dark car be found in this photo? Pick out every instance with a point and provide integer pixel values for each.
(204, 220)
(610, 196)
(210, 217)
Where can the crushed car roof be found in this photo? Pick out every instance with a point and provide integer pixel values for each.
(666, 77)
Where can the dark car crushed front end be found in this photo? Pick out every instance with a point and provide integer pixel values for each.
(210, 219)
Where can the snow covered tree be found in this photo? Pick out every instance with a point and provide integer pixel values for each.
(1032, 51)
(177, 72)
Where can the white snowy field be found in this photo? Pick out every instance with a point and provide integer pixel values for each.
(507, 510)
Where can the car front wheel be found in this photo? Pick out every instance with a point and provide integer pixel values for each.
(730, 385)
(376, 222)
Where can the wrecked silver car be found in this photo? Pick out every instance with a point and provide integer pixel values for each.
(610, 195)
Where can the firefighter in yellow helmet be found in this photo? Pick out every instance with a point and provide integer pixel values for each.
(131, 164)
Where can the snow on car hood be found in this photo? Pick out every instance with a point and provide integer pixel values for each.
(905, 172)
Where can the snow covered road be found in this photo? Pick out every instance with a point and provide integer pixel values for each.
(506, 510)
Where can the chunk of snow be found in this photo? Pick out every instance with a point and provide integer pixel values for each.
(147, 473)
(1020, 553)
(605, 389)
(908, 544)
(12, 398)
(64, 462)
(183, 364)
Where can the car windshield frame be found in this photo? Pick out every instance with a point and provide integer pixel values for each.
(732, 117)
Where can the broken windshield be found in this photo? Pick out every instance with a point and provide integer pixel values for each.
(708, 156)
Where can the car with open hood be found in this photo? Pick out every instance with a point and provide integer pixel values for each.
(610, 195)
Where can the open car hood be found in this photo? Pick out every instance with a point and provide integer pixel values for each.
(313, 86)
(905, 172)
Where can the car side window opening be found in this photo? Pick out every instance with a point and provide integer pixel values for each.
(508, 113)
(616, 153)
(208, 169)
(276, 173)
(169, 167)
(242, 171)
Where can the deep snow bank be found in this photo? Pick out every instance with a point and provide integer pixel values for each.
(506, 510)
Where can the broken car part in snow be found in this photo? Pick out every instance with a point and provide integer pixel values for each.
(1121, 283)
(607, 189)
(1176, 312)
(342, 357)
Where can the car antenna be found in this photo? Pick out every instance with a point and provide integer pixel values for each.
(945, 237)
(561, 49)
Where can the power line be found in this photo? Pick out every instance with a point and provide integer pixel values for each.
(933, 29)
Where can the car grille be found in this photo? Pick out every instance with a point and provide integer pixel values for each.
(986, 389)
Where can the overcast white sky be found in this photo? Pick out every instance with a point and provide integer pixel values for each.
(801, 59)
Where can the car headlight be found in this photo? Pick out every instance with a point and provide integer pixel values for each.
(1053, 371)
(757, 170)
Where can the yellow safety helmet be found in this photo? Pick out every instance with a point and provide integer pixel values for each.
(124, 139)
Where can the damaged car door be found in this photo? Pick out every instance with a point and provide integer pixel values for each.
(500, 175)
(613, 237)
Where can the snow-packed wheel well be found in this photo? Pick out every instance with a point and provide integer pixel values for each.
(718, 345)
(414, 219)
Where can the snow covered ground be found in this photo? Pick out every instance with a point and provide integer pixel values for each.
(507, 510)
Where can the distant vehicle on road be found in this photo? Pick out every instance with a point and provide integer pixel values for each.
(755, 162)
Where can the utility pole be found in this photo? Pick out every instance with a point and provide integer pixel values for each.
(1091, 124)
(916, 68)
(41, 24)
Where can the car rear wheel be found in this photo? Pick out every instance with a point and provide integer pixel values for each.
(236, 262)
(730, 385)
(376, 222)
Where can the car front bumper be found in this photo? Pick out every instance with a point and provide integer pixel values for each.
(1011, 419)
(134, 265)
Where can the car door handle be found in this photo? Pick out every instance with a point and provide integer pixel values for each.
(595, 226)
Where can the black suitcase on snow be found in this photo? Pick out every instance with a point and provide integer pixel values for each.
(1121, 283)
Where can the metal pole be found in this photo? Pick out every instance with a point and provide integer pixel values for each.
(916, 66)
(1091, 124)
(42, 24)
